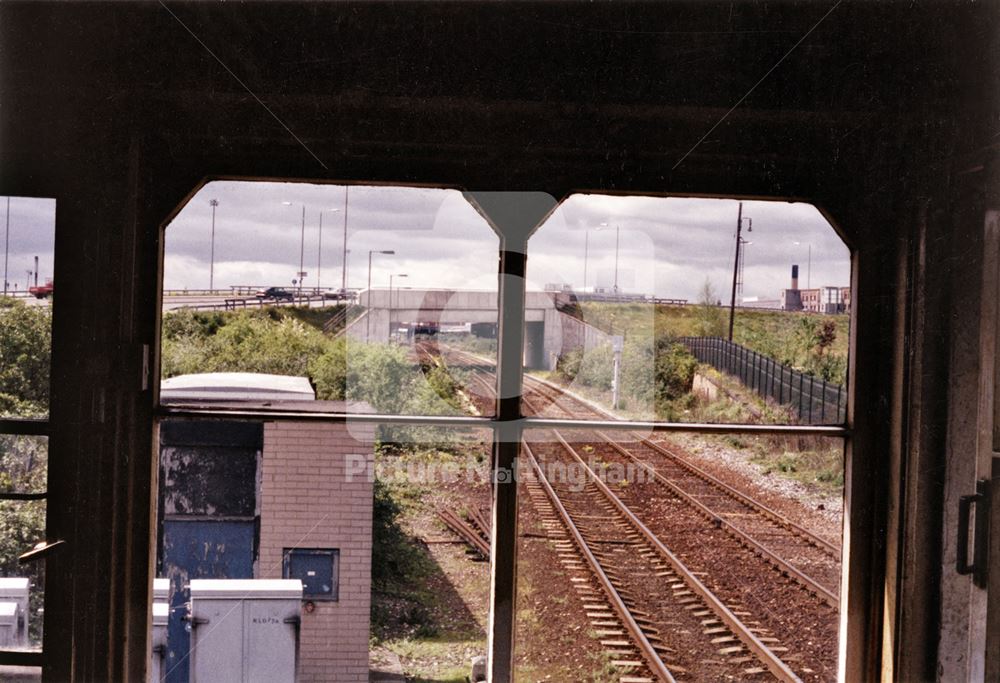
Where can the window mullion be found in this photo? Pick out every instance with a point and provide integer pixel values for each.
(506, 444)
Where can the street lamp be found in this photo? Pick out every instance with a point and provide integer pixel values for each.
(211, 267)
(302, 248)
(390, 294)
(319, 250)
(368, 317)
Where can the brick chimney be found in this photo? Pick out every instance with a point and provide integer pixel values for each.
(795, 277)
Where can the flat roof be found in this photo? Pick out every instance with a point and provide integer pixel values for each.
(246, 589)
(245, 386)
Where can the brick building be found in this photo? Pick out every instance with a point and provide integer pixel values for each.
(268, 500)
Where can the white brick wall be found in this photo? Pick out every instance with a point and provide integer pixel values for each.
(307, 502)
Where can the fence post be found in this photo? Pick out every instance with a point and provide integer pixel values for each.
(812, 394)
(801, 385)
(822, 417)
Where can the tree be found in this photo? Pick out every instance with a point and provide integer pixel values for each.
(709, 321)
(25, 353)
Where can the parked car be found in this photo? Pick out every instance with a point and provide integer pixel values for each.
(275, 293)
(41, 291)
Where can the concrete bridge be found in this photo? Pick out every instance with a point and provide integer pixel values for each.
(548, 331)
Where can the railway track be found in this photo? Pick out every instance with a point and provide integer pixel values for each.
(740, 637)
(802, 556)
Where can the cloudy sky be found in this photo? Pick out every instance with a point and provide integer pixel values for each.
(26, 230)
(667, 246)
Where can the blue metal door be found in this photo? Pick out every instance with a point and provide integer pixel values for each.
(199, 549)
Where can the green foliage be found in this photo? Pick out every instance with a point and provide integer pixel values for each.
(811, 343)
(710, 319)
(675, 369)
(568, 364)
(393, 555)
(242, 342)
(23, 468)
(651, 377)
(329, 371)
(25, 353)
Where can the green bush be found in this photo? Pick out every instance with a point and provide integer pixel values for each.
(25, 353)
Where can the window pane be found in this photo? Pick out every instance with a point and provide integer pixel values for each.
(27, 233)
(751, 525)
(23, 469)
(641, 288)
(269, 295)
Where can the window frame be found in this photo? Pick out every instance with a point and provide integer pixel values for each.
(508, 421)
(27, 426)
(288, 554)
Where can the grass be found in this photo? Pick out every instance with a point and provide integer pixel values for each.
(424, 659)
(784, 336)
(820, 467)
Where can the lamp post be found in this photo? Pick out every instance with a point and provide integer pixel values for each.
(390, 295)
(319, 250)
(736, 266)
(302, 248)
(211, 261)
(368, 317)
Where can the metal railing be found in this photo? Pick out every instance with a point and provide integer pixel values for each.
(814, 400)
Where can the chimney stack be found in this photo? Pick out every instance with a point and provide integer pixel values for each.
(795, 277)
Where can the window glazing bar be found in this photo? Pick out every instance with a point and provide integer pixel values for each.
(506, 447)
(11, 495)
(24, 427)
(840, 431)
(21, 658)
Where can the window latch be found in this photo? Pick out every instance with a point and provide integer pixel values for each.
(974, 507)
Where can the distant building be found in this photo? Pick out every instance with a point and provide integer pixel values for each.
(828, 300)
(757, 302)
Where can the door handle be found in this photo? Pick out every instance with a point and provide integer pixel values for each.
(973, 507)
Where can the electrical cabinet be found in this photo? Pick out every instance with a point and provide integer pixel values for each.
(245, 630)
(16, 590)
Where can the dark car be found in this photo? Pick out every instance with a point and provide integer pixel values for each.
(275, 293)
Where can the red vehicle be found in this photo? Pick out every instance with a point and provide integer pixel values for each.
(41, 291)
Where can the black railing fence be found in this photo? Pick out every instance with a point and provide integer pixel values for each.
(815, 400)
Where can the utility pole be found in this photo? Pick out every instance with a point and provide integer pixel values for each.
(736, 268)
(36, 271)
(586, 253)
(211, 268)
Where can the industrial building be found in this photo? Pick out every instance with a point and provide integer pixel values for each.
(827, 300)
(882, 114)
